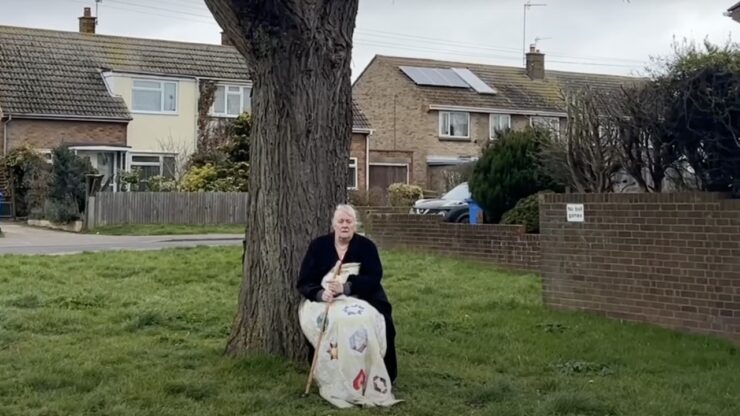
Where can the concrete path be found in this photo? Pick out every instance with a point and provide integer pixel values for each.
(20, 239)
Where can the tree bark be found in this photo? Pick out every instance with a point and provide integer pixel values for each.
(298, 53)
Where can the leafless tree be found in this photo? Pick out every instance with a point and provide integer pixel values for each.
(586, 157)
(647, 149)
(181, 152)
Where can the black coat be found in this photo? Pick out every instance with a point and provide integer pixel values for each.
(321, 257)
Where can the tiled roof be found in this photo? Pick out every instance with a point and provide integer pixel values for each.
(58, 73)
(55, 73)
(359, 121)
(515, 90)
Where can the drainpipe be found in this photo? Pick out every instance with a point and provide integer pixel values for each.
(195, 122)
(5, 134)
(367, 161)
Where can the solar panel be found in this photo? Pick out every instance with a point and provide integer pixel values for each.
(469, 77)
(437, 77)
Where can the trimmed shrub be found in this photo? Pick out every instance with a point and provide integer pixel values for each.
(526, 212)
(403, 195)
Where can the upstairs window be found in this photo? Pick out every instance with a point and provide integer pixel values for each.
(231, 101)
(454, 124)
(550, 123)
(499, 123)
(152, 96)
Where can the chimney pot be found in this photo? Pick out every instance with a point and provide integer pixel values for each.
(87, 22)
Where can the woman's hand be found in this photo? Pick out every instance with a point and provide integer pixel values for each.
(335, 287)
(327, 296)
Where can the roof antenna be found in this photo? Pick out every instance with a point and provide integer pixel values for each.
(97, 13)
(527, 5)
(537, 39)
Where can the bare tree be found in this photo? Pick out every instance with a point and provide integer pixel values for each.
(180, 151)
(586, 157)
(646, 146)
(298, 53)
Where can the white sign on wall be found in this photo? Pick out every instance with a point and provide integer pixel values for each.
(575, 212)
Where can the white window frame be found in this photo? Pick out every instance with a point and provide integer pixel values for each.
(353, 164)
(46, 154)
(244, 89)
(161, 90)
(547, 122)
(491, 131)
(446, 135)
(160, 164)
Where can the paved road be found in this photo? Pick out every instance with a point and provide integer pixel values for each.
(20, 239)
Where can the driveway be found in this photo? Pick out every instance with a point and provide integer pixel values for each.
(20, 239)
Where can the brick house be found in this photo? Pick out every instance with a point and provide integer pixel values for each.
(123, 102)
(429, 116)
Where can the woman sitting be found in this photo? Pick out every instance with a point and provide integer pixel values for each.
(356, 362)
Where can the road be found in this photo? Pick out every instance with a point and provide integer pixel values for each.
(21, 239)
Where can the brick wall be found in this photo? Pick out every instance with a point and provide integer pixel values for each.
(670, 259)
(47, 134)
(363, 212)
(507, 246)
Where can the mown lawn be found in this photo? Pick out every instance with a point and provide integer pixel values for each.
(173, 229)
(143, 334)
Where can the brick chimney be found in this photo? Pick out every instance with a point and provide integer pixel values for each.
(535, 63)
(225, 41)
(87, 22)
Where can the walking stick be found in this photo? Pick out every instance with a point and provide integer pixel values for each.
(321, 335)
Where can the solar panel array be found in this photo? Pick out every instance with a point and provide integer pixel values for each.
(442, 77)
(436, 77)
(471, 79)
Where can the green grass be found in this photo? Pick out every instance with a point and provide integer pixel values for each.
(143, 334)
(168, 229)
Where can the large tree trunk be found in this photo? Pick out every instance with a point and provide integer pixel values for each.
(299, 53)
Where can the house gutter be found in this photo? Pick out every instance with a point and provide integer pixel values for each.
(72, 118)
(497, 110)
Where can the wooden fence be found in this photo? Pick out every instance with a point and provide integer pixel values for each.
(193, 208)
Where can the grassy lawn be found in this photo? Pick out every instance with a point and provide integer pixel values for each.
(168, 229)
(143, 334)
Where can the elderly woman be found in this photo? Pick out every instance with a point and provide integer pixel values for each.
(356, 361)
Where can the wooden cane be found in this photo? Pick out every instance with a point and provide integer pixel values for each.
(321, 335)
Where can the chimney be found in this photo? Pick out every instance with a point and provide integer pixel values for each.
(87, 22)
(225, 41)
(535, 63)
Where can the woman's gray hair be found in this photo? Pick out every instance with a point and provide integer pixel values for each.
(347, 209)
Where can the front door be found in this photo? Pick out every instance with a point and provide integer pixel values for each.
(108, 164)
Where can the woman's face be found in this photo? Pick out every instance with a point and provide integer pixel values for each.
(344, 225)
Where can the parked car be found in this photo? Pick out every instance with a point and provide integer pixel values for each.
(452, 205)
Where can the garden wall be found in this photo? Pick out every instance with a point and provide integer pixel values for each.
(666, 259)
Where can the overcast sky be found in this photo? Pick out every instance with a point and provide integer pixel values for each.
(608, 36)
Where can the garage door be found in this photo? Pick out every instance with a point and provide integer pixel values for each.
(382, 176)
